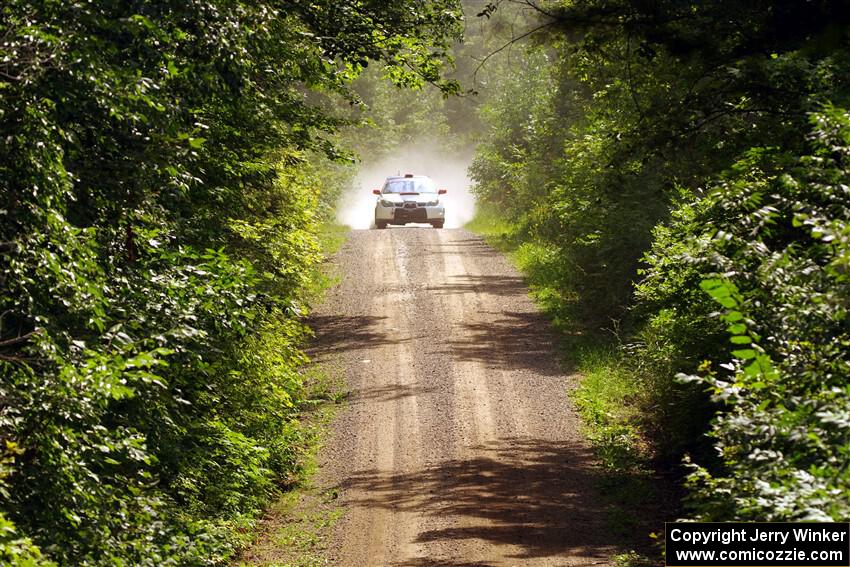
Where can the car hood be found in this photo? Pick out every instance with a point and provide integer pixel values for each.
(398, 198)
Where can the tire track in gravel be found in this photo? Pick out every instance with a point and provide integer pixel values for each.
(459, 446)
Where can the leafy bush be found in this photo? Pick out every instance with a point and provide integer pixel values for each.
(773, 249)
(162, 178)
(599, 146)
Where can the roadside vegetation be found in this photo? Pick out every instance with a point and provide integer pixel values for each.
(165, 170)
(296, 525)
(672, 179)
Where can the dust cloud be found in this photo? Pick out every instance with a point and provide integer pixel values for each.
(448, 169)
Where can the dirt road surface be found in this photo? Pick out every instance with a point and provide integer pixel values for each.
(458, 446)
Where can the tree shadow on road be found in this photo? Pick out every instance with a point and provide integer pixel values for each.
(491, 285)
(535, 496)
(508, 341)
(467, 247)
(343, 333)
(429, 562)
(390, 393)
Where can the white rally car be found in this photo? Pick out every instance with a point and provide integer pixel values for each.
(409, 198)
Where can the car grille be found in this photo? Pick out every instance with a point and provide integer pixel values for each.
(410, 205)
(412, 214)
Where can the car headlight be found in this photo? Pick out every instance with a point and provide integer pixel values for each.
(385, 203)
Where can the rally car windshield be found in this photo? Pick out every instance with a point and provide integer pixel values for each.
(410, 185)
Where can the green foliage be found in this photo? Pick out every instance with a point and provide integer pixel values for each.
(14, 549)
(591, 137)
(164, 170)
(19, 551)
(394, 118)
(599, 146)
(604, 400)
(489, 223)
(773, 249)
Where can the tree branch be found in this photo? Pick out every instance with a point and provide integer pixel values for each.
(19, 340)
(508, 44)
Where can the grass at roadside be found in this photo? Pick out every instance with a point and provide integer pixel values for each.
(296, 526)
(498, 232)
(331, 237)
(607, 398)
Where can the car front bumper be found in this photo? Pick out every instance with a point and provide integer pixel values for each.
(402, 215)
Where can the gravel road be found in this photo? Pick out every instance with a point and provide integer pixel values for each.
(458, 446)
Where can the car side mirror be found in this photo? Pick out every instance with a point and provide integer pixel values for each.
(442, 192)
(376, 191)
